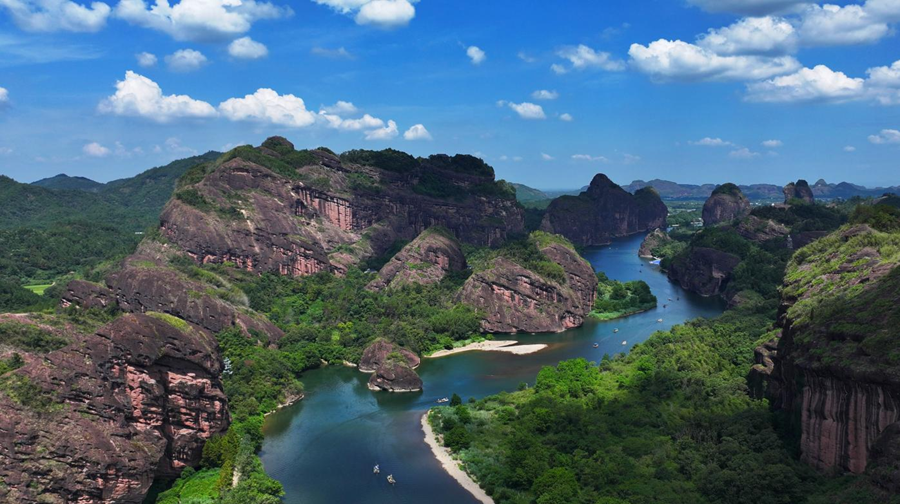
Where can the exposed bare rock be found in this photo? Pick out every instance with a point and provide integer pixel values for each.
(97, 420)
(603, 212)
(424, 261)
(87, 294)
(514, 299)
(799, 191)
(653, 240)
(703, 270)
(377, 354)
(391, 367)
(833, 366)
(302, 212)
(760, 230)
(726, 204)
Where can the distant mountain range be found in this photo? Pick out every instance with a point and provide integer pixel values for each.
(131, 203)
(821, 189)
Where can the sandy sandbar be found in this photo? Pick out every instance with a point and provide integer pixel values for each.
(452, 466)
(491, 346)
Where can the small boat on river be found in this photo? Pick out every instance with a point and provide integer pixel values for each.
(624, 343)
(443, 400)
(596, 345)
(376, 469)
(390, 479)
(615, 330)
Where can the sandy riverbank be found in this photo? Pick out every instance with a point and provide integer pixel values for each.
(452, 466)
(491, 346)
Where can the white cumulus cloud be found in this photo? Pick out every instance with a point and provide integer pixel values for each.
(417, 132)
(199, 20)
(849, 148)
(583, 57)
(544, 94)
(385, 14)
(4, 97)
(146, 59)
(528, 110)
(767, 35)
(340, 108)
(386, 133)
(94, 149)
(566, 117)
(547, 157)
(743, 153)
(712, 142)
(247, 48)
(772, 144)
(476, 55)
(139, 96)
(267, 106)
(807, 85)
(185, 60)
(835, 25)
(887, 136)
(57, 15)
(675, 60)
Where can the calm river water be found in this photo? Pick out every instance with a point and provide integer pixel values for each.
(323, 448)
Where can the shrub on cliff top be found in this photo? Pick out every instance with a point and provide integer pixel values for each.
(388, 159)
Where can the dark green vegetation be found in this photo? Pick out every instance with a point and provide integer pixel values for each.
(29, 338)
(527, 254)
(832, 281)
(63, 181)
(525, 194)
(617, 299)
(670, 422)
(130, 204)
(52, 235)
(673, 420)
(762, 263)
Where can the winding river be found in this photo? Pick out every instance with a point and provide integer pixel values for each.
(323, 448)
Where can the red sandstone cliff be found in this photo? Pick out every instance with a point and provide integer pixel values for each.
(515, 299)
(834, 364)
(97, 420)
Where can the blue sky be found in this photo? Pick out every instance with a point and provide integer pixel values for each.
(549, 93)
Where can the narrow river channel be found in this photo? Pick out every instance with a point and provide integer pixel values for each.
(323, 448)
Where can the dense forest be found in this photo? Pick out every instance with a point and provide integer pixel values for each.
(672, 421)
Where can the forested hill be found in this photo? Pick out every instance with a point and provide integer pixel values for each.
(129, 204)
(63, 181)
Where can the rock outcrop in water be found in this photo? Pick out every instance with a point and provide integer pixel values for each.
(603, 212)
(653, 240)
(392, 368)
(424, 261)
(97, 419)
(726, 204)
(297, 213)
(799, 191)
(514, 298)
(833, 366)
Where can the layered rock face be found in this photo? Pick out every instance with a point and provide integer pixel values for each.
(424, 261)
(799, 191)
(704, 270)
(833, 365)
(514, 299)
(392, 368)
(603, 212)
(726, 204)
(301, 212)
(97, 420)
(653, 240)
(147, 283)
